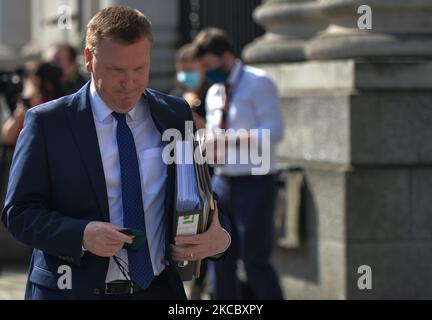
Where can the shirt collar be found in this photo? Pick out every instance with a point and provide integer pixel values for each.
(235, 73)
(102, 111)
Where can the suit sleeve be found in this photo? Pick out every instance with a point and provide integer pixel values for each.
(27, 214)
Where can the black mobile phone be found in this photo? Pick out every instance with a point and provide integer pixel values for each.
(139, 239)
(127, 232)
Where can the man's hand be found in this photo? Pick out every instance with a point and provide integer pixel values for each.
(196, 247)
(217, 145)
(104, 239)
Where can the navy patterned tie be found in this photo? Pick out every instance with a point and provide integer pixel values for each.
(140, 266)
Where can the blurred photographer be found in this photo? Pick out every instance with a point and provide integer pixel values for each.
(11, 86)
(42, 84)
(64, 56)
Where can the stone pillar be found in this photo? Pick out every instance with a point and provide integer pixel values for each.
(164, 15)
(358, 120)
(53, 21)
(14, 31)
(88, 10)
(399, 29)
(289, 24)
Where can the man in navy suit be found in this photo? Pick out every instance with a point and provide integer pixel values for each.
(89, 165)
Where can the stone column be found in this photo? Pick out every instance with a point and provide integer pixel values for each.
(358, 120)
(14, 31)
(53, 21)
(399, 29)
(289, 24)
(164, 17)
(89, 9)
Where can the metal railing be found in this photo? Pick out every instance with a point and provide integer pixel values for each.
(235, 17)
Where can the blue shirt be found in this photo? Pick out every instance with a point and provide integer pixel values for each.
(153, 174)
(254, 105)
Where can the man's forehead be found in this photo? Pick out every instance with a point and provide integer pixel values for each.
(123, 55)
(120, 44)
(113, 62)
(209, 59)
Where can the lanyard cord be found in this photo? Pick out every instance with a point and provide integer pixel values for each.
(236, 84)
(122, 269)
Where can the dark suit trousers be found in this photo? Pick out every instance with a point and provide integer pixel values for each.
(249, 201)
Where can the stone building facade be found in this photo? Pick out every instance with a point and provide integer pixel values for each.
(357, 104)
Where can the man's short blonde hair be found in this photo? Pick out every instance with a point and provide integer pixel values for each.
(122, 24)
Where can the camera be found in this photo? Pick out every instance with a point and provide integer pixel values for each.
(11, 86)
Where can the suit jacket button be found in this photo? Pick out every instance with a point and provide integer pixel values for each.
(96, 291)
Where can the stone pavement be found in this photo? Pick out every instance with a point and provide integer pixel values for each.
(12, 282)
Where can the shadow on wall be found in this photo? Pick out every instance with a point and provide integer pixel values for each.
(297, 259)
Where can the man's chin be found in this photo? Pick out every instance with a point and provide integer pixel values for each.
(127, 104)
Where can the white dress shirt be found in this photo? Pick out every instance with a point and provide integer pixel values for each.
(254, 105)
(153, 174)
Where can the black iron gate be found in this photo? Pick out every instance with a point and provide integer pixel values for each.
(233, 16)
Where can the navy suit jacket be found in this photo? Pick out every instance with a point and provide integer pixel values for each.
(57, 186)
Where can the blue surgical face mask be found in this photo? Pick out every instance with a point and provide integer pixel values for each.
(191, 80)
(217, 75)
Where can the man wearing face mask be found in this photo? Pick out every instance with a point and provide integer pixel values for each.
(191, 82)
(242, 97)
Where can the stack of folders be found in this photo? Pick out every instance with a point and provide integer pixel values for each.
(194, 198)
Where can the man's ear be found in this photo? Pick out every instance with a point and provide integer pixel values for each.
(88, 60)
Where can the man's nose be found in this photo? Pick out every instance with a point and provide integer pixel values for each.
(127, 80)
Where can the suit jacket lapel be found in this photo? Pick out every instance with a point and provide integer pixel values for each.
(160, 112)
(83, 128)
(161, 116)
